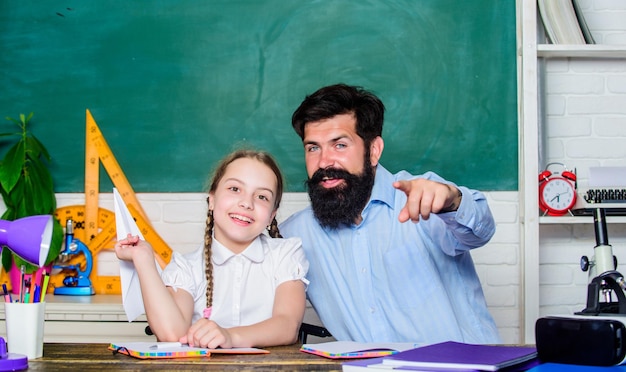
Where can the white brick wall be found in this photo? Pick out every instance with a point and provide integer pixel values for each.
(585, 125)
(606, 20)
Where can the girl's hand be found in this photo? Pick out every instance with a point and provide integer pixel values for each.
(206, 333)
(130, 240)
(131, 248)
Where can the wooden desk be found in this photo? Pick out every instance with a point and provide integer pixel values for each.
(90, 357)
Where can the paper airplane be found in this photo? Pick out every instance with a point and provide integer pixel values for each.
(131, 289)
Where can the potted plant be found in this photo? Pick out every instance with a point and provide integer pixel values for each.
(27, 188)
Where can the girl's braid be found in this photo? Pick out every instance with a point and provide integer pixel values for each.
(272, 229)
(208, 240)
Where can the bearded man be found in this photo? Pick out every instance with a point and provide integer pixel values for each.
(374, 276)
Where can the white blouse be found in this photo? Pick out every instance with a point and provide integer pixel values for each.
(244, 285)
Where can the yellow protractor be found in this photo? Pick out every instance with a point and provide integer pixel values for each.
(105, 239)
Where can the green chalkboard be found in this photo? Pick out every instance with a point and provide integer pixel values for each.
(174, 85)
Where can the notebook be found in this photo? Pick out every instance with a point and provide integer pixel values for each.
(351, 349)
(456, 355)
(168, 350)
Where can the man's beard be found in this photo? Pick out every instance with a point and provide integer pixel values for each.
(343, 204)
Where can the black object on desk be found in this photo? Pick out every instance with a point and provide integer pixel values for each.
(593, 340)
(307, 329)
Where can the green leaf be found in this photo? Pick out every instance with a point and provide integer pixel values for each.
(7, 258)
(42, 179)
(57, 242)
(12, 166)
(39, 190)
(13, 120)
(34, 143)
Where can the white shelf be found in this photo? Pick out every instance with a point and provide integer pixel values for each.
(531, 53)
(581, 51)
(88, 319)
(566, 220)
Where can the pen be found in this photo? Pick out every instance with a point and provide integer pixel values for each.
(166, 345)
(33, 283)
(37, 293)
(22, 289)
(6, 293)
(27, 292)
(44, 286)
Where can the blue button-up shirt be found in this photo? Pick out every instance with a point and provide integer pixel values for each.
(386, 281)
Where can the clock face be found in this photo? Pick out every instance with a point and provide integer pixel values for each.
(558, 194)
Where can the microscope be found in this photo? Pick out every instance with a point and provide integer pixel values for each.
(77, 283)
(596, 335)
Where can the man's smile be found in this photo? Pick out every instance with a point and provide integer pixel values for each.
(328, 182)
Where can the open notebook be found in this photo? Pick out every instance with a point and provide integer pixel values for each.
(166, 350)
(352, 349)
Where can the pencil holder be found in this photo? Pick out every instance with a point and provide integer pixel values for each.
(25, 324)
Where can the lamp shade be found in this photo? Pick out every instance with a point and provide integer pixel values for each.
(28, 237)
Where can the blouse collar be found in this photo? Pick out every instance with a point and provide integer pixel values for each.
(221, 254)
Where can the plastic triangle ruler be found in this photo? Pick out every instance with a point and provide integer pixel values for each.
(98, 224)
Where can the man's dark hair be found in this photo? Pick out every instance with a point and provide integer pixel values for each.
(341, 99)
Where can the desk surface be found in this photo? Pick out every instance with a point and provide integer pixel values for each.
(85, 357)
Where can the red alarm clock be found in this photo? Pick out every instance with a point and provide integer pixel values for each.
(557, 191)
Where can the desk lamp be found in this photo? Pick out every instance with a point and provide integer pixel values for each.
(29, 238)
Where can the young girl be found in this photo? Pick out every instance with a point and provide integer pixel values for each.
(242, 289)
